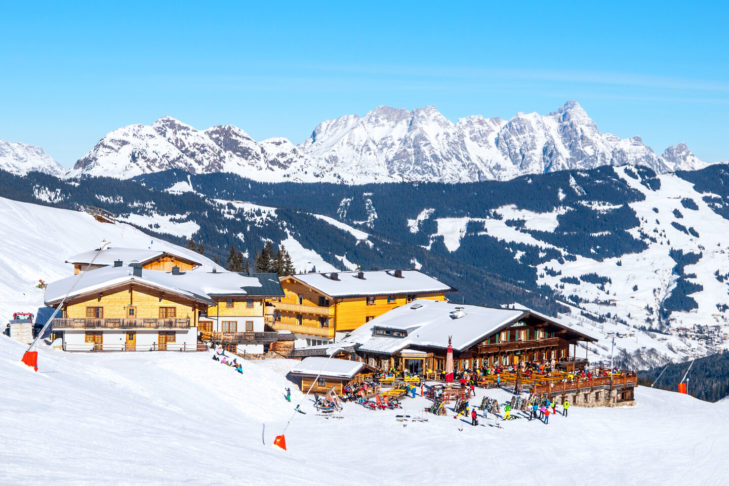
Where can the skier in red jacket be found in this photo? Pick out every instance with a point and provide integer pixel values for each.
(474, 417)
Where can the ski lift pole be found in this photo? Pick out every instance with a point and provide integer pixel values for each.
(30, 357)
(661, 374)
(685, 375)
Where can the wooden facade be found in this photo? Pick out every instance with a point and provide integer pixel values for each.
(530, 339)
(309, 311)
(164, 262)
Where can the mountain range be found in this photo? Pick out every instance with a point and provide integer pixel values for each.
(386, 145)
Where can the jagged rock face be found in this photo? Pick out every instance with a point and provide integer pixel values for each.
(385, 145)
(19, 158)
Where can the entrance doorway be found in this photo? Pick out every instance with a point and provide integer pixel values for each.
(166, 337)
(414, 366)
(131, 341)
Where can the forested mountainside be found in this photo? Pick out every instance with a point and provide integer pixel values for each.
(708, 378)
(621, 250)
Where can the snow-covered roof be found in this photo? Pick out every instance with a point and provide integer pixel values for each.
(129, 255)
(327, 367)
(382, 282)
(429, 323)
(198, 284)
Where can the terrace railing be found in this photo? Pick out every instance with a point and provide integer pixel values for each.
(304, 329)
(302, 309)
(112, 323)
(516, 345)
(247, 337)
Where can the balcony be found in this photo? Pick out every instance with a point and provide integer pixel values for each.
(308, 330)
(302, 309)
(519, 345)
(88, 323)
(246, 337)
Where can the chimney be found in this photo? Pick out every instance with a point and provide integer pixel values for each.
(136, 269)
(334, 276)
(398, 273)
(360, 275)
(176, 270)
(118, 263)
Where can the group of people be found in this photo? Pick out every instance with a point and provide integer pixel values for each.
(541, 410)
(220, 356)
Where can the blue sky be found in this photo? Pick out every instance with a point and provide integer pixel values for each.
(71, 72)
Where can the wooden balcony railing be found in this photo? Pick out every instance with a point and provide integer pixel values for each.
(310, 330)
(518, 345)
(302, 309)
(87, 323)
(246, 337)
(618, 381)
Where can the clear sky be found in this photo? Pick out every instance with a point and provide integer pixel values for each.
(71, 72)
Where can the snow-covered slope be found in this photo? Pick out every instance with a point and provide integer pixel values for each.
(36, 240)
(385, 145)
(171, 418)
(20, 158)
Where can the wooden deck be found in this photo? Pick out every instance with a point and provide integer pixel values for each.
(88, 323)
(246, 337)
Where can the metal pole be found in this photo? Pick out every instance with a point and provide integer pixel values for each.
(104, 246)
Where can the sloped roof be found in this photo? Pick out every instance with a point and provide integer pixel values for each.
(128, 255)
(270, 285)
(198, 284)
(430, 323)
(381, 282)
(327, 367)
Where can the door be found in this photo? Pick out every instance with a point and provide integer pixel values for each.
(165, 338)
(131, 341)
(96, 338)
(163, 341)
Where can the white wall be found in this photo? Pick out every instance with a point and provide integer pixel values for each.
(147, 340)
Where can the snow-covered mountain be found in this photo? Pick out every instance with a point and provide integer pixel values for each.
(385, 145)
(19, 158)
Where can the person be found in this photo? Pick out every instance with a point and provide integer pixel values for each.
(239, 368)
(507, 411)
(565, 407)
(554, 407)
(534, 410)
(546, 416)
(474, 417)
(288, 394)
(498, 380)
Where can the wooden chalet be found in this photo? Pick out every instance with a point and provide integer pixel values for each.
(317, 306)
(321, 374)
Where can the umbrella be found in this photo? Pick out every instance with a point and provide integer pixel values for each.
(449, 362)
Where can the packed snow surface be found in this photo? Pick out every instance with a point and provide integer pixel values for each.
(171, 418)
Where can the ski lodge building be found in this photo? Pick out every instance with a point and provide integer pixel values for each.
(328, 373)
(129, 308)
(149, 259)
(317, 306)
(415, 338)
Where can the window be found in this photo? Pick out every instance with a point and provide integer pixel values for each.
(301, 320)
(277, 316)
(229, 303)
(323, 302)
(249, 326)
(229, 326)
(370, 301)
(412, 297)
(391, 299)
(131, 312)
(249, 303)
(95, 312)
(167, 312)
(321, 382)
(324, 322)
(369, 318)
(301, 299)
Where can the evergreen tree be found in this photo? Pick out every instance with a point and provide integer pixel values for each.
(234, 263)
(200, 249)
(284, 263)
(191, 245)
(265, 259)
